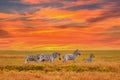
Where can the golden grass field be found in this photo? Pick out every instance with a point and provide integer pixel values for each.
(105, 66)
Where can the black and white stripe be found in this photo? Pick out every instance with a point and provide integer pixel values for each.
(29, 58)
(90, 58)
(71, 56)
(49, 57)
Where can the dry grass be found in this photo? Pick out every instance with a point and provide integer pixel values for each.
(105, 66)
(13, 75)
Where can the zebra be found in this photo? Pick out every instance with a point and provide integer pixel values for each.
(49, 57)
(29, 58)
(90, 58)
(71, 56)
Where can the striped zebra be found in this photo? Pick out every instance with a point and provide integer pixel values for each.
(71, 56)
(49, 57)
(90, 58)
(29, 58)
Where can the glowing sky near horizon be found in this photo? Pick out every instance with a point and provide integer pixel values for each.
(59, 24)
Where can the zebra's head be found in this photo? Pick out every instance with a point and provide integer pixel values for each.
(57, 55)
(92, 56)
(37, 56)
(77, 52)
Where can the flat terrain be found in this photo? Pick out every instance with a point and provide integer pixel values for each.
(105, 66)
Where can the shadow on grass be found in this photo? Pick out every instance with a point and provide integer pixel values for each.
(51, 68)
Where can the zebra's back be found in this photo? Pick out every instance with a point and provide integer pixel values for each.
(31, 58)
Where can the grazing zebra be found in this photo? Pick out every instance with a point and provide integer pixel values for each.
(71, 56)
(90, 58)
(29, 58)
(49, 57)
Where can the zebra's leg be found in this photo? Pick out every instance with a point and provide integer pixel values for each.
(88, 60)
(65, 59)
(51, 60)
(74, 60)
(26, 61)
(35, 61)
(41, 60)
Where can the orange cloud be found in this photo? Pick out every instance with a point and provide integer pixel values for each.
(8, 16)
(36, 1)
(59, 28)
(31, 1)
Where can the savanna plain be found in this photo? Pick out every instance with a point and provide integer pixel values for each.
(105, 66)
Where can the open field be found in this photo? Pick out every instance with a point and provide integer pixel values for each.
(105, 66)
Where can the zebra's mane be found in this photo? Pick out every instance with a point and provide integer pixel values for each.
(91, 55)
(76, 52)
(55, 54)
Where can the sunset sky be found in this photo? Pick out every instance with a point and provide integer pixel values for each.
(59, 24)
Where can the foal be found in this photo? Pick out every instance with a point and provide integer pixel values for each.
(90, 58)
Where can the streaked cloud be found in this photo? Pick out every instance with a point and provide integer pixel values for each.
(4, 34)
(67, 24)
(105, 15)
(86, 6)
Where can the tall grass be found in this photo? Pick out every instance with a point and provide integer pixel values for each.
(51, 68)
(105, 64)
